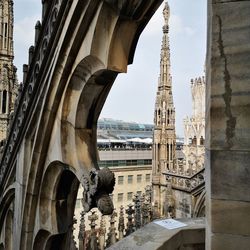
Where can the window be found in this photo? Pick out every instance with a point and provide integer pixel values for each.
(140, 162)
(129, 196)
(130, 179)
(5, 34)
(139, 178)
(120, 180)
(4, 102)
(147, 177)
(120, 197)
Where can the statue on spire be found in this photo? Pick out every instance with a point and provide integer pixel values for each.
(166, 15)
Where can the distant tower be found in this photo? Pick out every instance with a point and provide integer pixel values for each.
(164, 120)
(194, 128)
(8, 80)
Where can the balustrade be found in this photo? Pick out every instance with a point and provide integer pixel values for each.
(137, 214)
(183, 181)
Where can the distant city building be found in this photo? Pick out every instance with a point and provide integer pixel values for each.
(8, 79)
(126, 148)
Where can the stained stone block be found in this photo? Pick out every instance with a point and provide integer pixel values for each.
(230, 217)
(228, 113)
(230, 132)
(229, 242)
(230, 76)
(230, 175)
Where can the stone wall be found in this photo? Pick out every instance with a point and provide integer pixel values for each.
(227, 128)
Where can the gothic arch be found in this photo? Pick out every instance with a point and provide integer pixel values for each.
(80, 114)
(41, 239)
(57, 202)
(9, 230)
(199, 209)
(6, 219)
(83, 62)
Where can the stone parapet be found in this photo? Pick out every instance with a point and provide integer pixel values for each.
(155, 237)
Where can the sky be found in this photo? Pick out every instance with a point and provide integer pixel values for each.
(132, 97)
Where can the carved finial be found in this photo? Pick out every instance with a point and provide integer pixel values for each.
(146, 213)
(102, 233)
(130, 225)
(92, 244)
(112, 234)
(73, 242)
(148, 193)
(92, 218)
(82, 227)
(121, 225)
(137, 203)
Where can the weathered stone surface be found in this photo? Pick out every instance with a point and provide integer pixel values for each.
(228, 116)
(230, 217)
(229, 168)
(153, 236)
(229, 242)
(229, 76)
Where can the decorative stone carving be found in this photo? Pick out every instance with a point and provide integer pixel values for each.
(97, 187)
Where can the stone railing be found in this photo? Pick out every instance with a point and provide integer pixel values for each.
(99, 232)
(155, 237)
(187, 183)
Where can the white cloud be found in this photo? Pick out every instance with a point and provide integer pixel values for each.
(24, 31)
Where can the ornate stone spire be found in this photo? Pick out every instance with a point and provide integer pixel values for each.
(164, 119)
(8, 81)
(165, 77)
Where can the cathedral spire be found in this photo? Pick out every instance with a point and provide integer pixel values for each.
(8, 80)
(164, 119)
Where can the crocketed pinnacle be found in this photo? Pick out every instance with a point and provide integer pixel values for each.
(165, 77)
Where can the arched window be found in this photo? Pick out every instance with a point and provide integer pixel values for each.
(201, 140)
(4, 102)
(5, 34)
